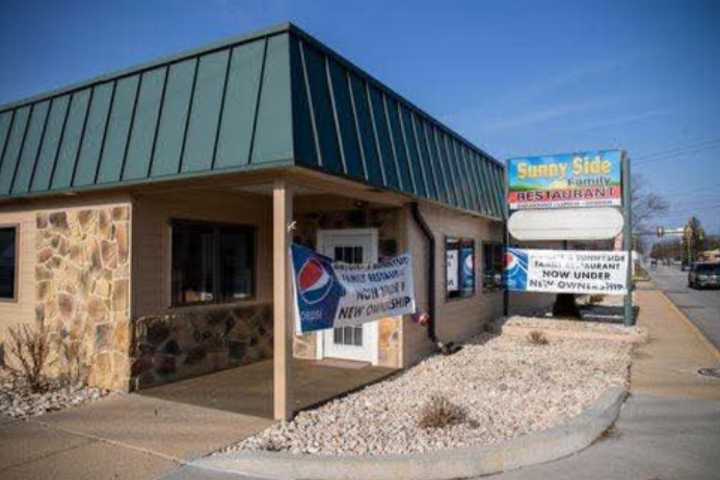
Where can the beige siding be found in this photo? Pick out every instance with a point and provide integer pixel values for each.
(459, 318)
(151, 240)
(22, 309)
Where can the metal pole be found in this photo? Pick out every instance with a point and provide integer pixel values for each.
(506, 240)
(627, 238)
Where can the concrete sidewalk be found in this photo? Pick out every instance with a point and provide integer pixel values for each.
(670, 426)
(120, 437)
(667, 365)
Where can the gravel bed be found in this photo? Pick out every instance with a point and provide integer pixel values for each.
(507, 387)
(17, 401)
(571, 324)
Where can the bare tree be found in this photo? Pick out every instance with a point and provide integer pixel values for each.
(646, 205)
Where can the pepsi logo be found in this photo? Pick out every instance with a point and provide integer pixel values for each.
(468, 264)
(511, 261)
(314, 282)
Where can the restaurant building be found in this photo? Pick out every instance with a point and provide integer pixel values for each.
(147, 214)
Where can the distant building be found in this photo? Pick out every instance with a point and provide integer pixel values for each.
(710, 255)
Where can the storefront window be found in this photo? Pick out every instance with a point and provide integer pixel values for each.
(459, 267)
(8, 262)
(493, 264)
(212, 263)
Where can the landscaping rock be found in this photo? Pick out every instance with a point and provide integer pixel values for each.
(17, 401)
(506, 387)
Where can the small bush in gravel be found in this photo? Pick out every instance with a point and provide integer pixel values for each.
(596, 299)
(536, 337)
(30, 348)
(76, 368)
(440, 412)
(491, 328)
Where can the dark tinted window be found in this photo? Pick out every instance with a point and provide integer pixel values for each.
(8, 262)
(708, 268)
(493, 264)
(212, 263)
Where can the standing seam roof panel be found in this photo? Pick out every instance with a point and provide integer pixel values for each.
(13, 148)
(346, 122)
(240, 104)
(272, 99)
(31, 147)
(365, 129)
(91, 148)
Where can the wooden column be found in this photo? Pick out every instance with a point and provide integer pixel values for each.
(283, 310)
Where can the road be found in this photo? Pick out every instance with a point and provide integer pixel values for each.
(702, 307)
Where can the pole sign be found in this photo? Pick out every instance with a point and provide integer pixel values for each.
(566, 271)
(332, 294)
(585, 179)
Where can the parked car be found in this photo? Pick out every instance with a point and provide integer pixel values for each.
(684, 265)
(704, 275)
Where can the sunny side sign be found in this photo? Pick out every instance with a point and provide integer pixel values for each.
(584, 179)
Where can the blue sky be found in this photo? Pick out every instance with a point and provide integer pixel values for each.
(515, 77)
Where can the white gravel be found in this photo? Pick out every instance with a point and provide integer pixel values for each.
(507, 387)
(17, 401)
(571, 324)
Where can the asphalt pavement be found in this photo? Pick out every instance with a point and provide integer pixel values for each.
(702, 307)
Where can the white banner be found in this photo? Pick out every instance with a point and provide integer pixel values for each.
(333, 294)
(566, 271)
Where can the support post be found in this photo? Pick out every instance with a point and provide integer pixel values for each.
(629, 317)
(283, 310)
(506, 239)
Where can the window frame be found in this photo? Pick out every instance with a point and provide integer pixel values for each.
(460, 240)
(216, 226)
(492, 245)
(16, 273)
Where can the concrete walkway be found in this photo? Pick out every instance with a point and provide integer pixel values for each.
(154, 432)
(670, 426)
(121, 437)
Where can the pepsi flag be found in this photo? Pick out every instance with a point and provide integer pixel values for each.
(332, 294)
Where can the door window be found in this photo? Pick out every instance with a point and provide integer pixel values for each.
(348, 335)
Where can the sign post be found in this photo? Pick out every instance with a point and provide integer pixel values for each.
(628, 240)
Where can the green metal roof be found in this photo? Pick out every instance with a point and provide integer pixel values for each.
(275, 98)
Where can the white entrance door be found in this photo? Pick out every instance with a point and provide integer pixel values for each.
(352, 343)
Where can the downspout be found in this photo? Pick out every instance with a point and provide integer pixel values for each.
(450, 347)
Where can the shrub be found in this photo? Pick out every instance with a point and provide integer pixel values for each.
(595, 299)
(76, 368)
(536, 337)
(30, 348)
(440, 412)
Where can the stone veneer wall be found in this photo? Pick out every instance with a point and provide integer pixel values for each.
(82, 276)
(387, 222)
(191, 341)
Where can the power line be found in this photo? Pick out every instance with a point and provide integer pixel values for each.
(677, 148)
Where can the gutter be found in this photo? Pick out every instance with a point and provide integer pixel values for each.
(450, 347)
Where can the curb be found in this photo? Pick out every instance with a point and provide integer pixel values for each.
(698, 333)
(538, 447)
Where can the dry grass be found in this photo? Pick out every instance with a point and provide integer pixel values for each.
(76, 368)
(30, 348)
(596, 299)
(536, 337)
(440, 412)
